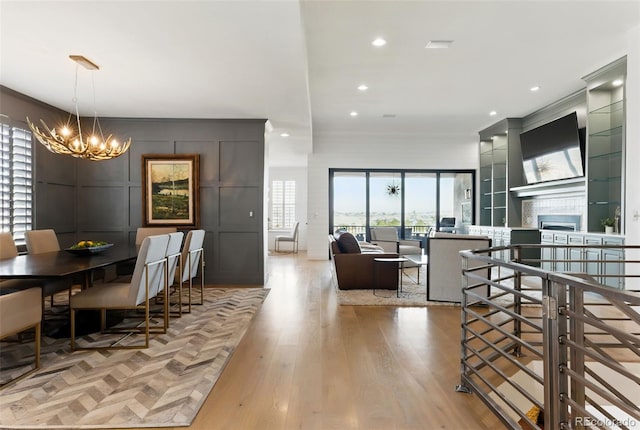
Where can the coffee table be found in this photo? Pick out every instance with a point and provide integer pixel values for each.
(391, 260)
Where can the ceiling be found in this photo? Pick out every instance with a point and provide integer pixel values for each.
(298, 63)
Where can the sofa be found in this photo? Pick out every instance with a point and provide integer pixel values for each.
(444, 274)
(354, 266)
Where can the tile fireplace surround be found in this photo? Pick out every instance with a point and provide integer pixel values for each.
(532, 208)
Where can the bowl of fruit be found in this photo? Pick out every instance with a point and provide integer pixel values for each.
(88, 247)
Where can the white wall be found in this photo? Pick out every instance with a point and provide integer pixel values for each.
(632, 182)
(374, 152)
(298, 174)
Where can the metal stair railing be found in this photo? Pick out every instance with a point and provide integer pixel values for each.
(561, 343)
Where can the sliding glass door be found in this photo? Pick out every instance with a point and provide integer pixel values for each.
(455, 196)
(349, 191)
(385, 199)
(411, 200)
(420, 203)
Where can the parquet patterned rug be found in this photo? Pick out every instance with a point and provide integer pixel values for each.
(162, 386)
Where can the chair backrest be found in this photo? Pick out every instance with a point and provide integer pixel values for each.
(294, 234)
(173, 254)
(143, 232)
(384, 233)
(39, 241)
(152, 250)
(448, 222)
(8, 247)
(191, 254)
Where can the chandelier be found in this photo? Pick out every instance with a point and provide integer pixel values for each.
(69, 139)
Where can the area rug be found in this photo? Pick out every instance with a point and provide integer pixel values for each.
(412, 294)
(161, 386)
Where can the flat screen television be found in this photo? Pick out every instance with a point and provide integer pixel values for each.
(553, 151)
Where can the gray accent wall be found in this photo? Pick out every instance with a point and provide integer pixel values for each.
(102, 200)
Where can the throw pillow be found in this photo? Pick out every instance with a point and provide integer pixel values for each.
(348, 244)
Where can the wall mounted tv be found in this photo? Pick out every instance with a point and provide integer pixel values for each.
(553, 151)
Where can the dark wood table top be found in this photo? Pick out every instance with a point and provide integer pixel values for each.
(62, 263)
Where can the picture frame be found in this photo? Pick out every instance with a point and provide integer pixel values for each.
(467, 213)
(170, 191)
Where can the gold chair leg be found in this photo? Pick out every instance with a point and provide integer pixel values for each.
(72, 314)
(38, 335)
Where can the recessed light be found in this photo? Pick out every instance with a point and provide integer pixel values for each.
(284, 134)
(534, 88)
(379, 42)
(493, 113)
(617, 82)
(439, 44)
(388, 115)
(353, 113)
(363, 87)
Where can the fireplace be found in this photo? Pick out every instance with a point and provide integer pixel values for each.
(559, 222)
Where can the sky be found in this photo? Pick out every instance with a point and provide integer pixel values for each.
(349, 194)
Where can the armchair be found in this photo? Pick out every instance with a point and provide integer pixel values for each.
(387, 238)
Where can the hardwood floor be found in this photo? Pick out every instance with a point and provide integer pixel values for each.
(308, 363)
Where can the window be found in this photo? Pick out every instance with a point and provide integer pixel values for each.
(283, 204)
(16, 182)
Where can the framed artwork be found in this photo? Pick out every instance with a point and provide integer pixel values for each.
(170, 192)
(467, 215)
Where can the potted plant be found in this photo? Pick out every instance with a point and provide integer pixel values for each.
(608, 224)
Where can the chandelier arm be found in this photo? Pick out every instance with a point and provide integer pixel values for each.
(65, 141)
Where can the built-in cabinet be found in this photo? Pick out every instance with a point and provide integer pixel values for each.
(500, 169)
(605, 144)
(505, 236)
(580, 259)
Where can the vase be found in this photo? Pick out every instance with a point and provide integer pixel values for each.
(608, 229)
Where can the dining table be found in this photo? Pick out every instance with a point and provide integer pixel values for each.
(63, 264)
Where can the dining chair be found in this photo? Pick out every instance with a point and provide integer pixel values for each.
(126, 269)
(192, 258)
(41, 241)
(21, 311)
(8, 249)
(291, 237)
(148, 274)
(143, 232)
(174, 262)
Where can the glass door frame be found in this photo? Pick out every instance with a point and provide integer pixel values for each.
(402, 172)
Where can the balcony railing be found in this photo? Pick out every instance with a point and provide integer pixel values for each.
(412, 232)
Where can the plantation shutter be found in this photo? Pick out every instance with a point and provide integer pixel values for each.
(17, 181)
